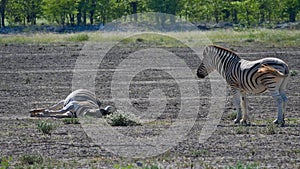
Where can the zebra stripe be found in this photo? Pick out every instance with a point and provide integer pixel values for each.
(83, 95)
(247, 76)
(82, 100)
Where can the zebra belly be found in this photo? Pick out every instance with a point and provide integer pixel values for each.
(258, 90)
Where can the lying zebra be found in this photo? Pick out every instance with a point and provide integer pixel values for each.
(245, 76)
(78, 103)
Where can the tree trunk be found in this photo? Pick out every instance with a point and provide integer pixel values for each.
(84, 17)
(79, 18)
(92, 17)
(134, 9)
(2, 11)
(72, 19)
(234, 16)
(292, 16)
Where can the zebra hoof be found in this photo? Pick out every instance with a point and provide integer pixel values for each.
(245, 123)
(279, 122)
(237, 121)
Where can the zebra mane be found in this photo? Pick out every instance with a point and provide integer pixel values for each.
(225, 49)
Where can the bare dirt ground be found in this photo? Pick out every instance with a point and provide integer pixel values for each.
(38, 75)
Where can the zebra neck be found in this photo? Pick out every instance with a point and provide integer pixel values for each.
(224, 61)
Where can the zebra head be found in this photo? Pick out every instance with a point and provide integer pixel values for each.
(201, 71)
(204, 69)
(107, 110)
(206, 65)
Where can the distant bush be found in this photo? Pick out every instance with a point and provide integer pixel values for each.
(78, 38)
(119, 118)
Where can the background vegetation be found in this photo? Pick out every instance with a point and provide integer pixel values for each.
(91, 12)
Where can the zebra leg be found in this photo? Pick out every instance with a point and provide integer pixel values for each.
(279, 101)
(280, 118)
(244, 109)
(39, 112)
(57, 106)
(237, 104)
(67, 114)
(66, 111)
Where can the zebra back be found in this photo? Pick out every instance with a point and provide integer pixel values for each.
(249, 76)
(82, 95)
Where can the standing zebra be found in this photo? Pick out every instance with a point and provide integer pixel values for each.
(80, 102)
(245, 76)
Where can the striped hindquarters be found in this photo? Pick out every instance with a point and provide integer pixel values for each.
(83, 95)
(257, 76)
(243, 74)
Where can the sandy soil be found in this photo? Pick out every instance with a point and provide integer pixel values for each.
(33, 76)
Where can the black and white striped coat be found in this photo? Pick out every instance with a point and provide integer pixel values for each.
(247, 77)
(80, 102)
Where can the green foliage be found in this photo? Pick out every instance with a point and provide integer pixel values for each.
(62, 12)
(243, 13)
(23, 11)
(242, 129)
(78, 38)
(27, 80)
(71, 121)
(31, 159)
(152, 167)
(270, 128)
(231, 116)
(239, 165)
(293, 121)
(45, 127)
(294, 72)
(199, 153)
(119, 118)
(130, 166)
(296, 151)
(5, 162)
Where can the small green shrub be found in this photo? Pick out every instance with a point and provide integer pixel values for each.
(270, 128)
(78, 38)
(239, 165)
(198, 153)
(152, 167)
(129, 166)
(28, 80)
(231, 116)
(294, 72)
(293, 121)
(45, 128)
(242, 129)
(71, 121)
(122, 119)
(31, 159)
(5, 162)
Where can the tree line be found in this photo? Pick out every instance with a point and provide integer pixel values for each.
(91, 12)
